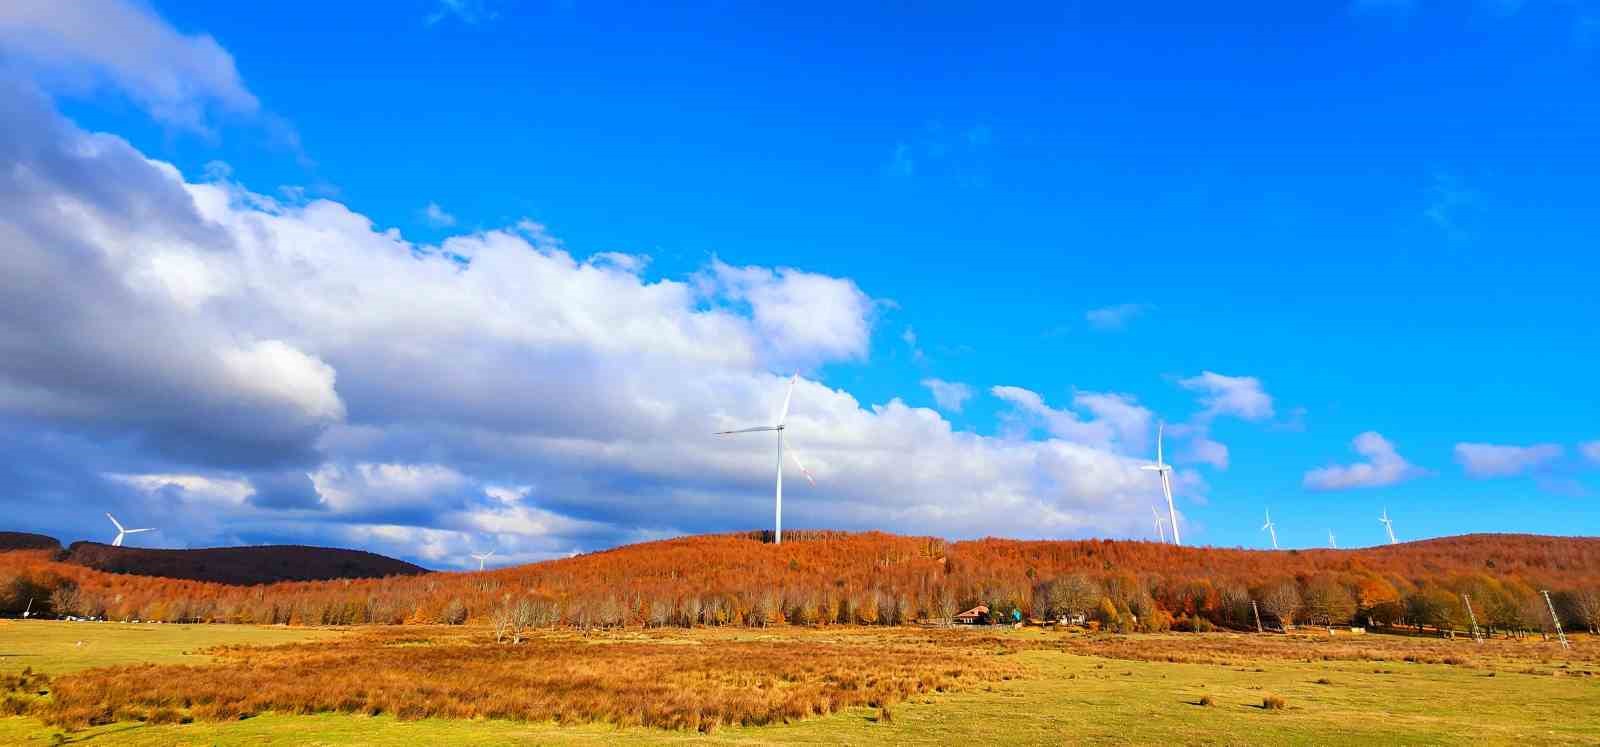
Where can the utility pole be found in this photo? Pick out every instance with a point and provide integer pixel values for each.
(1476, 636)
(1257, 610)
(1552, 605)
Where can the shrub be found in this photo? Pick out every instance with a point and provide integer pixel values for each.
(1273, 703)
(1207, 701)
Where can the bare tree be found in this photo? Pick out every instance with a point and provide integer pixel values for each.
(945, 606)
(1281, 601)
(1586, 602)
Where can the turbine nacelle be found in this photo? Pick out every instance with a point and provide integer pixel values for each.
(1165, 471)
(123, 532)
(779, 426)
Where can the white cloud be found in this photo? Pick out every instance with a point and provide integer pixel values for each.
(1239, 396)
(436, 216)
(176, 77)
(208, 331)
(1115, 317)
(632, 263)
(208, 489)
(1384, 466)
(951, 396)
(1491, 460)
(909, 337)
(1590, 451)
(1119, 423)
(1207, 451)
(802, 318)
(466, 11)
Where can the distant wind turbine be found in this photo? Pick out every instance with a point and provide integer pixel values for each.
(1388, 525)
(1165, 470)
(1332, 543)
(1161, 529)
(783, 415)
(123, 532)
(482, 556)
(1271, 529)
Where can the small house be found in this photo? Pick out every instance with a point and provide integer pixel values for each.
(975, 616)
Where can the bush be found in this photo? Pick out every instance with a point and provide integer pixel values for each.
(1207, 701)
(454, 613)
(1273, 703)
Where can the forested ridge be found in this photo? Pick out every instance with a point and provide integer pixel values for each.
(824, 578)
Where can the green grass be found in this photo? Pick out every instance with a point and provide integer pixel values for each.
(54, 647)
(1067, 699)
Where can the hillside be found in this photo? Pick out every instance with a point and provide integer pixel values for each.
(876, 578)
(27, 541)
(240, 565)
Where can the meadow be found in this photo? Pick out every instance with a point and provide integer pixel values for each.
(439, 684)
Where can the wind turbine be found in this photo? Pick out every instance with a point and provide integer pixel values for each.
(1165, 470)
(1271, 528)
(1160, 524)
(1332, 543)
(1388, 525)
(123, 531)
(482, 556)
(783, 415)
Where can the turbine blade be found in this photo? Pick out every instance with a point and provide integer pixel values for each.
(1160, 428)
(746, 430)
(1151, 468)
(783, 414)
(114, 521)
(136, 531)
(796, 457)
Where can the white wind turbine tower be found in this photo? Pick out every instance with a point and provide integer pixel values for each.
(1271, 529)
(482, 556)
(1161, 528)
(1165, 470)
(1332, 543)
(1388, 525)
(783, 415)
(122, 531)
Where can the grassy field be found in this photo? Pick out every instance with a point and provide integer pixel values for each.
(1111, 689)
(59, 647)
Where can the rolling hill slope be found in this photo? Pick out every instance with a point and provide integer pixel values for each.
(27, 541)
(822, 577)
(240, 565)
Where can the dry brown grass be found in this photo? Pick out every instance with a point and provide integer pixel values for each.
(1236, 649)
(659, 679)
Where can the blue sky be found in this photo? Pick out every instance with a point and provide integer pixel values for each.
(1377, 216)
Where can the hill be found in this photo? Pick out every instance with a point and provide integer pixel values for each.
(27, 541)
(240, 565)
(875, 578)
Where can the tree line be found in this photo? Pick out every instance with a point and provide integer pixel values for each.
(830, 578)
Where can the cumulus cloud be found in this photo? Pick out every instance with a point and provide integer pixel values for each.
(176, 77)
(1590, 451)
(1117, 422)
(801, 317)
(1239, 396)
(436, 216)
(168, 346)
(1492, 460)
(951, 396)
(1114, 317)
(1384, 466)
